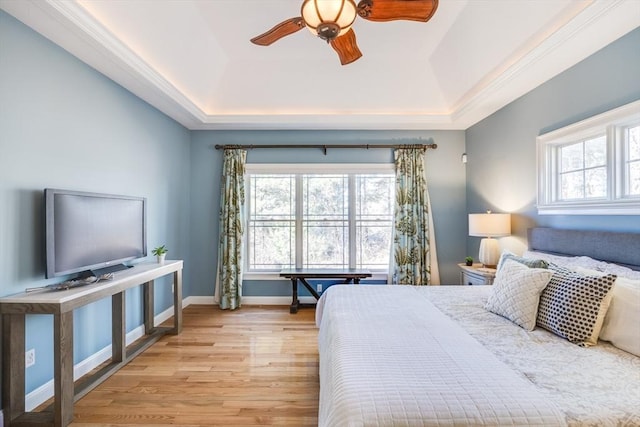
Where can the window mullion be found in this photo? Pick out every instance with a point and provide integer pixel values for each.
(620, 153)
(299, 199)
(352, 221)
(613, 177)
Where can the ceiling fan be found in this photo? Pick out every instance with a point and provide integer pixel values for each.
(331, 20)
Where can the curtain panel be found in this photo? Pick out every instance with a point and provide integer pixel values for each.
(228, 290)
(413, 253)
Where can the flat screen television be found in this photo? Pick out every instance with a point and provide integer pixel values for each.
(92, 233)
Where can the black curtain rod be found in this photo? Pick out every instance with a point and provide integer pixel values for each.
(325, 147)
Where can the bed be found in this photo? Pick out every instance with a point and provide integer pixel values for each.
(422, 356)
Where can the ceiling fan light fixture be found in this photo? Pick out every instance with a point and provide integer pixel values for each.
(328, 19)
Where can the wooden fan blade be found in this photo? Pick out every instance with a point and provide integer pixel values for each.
(281, 30)
(390, 10)
(346, 47)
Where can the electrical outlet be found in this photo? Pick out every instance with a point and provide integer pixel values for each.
(30, 358)
(319, 287)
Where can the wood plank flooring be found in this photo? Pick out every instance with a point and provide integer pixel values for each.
(248, 367)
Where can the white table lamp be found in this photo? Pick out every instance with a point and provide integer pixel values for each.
(489, 225)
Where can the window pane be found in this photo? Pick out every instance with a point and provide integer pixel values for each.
(374, 245)
(374, 215)
(374, 196)
(272, 197)
(271, 231)
(634, 178)
(325, 221)
(572, 185)
(272, 245)
(596, 182)
(595, 152)
(571, 157)
(633, 136)
(326, 244)
(325, 196)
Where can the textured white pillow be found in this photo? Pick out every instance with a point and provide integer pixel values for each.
(621, 326)
(516, 293)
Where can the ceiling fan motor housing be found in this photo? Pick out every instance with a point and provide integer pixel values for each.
(328, 31)
(328, 19)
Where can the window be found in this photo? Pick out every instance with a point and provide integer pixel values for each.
(318, 216)
(632, 160)
(592, 167)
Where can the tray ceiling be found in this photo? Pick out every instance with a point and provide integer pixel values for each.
(192, 59)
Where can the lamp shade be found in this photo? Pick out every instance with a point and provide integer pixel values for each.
(489, 225)
(328, 19)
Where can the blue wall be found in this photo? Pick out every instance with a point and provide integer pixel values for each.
(445, 175)
(64, 125)
(501, 169)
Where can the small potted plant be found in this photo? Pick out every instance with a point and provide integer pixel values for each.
(160, 252)
(469, 261)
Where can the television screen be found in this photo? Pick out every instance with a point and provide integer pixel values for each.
(92, 232)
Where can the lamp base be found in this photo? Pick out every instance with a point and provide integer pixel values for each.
(489, 252)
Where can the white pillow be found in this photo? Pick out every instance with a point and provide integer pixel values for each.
(515, 293)
(621, 326)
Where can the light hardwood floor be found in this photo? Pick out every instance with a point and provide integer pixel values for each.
(252, 366)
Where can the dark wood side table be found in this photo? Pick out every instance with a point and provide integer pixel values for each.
(302, 274)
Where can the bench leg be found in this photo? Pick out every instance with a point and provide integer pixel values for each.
(294, 301)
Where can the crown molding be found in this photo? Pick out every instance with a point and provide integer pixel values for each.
(528, 70)
(70, 26)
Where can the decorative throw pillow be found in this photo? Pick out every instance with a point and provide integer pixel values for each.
(573, 306)
(621, 326)
(516, 292)
(529, 262)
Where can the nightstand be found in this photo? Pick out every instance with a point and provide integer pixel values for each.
(476, 275)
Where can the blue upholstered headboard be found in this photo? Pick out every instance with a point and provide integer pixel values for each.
(609, 246)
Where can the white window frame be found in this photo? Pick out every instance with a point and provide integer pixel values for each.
(310, 168)
(617, 201)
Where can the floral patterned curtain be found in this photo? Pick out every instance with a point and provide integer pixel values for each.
(412, 255)
(228, 290)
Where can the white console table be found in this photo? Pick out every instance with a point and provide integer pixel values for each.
(61, 304)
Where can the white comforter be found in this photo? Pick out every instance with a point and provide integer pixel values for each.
(396, 360)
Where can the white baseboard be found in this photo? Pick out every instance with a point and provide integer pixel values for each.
(250, 300)
(198, 301)
(45, 391)
(274, 300)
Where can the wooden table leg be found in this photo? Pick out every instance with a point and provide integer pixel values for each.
(13, 388)
(294, 301)
(147, 307)
(63, 368)
(118, 328)
(177, 302)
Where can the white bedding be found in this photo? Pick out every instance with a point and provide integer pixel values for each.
(389, 357)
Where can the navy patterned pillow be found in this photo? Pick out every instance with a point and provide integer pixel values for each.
(573, 306)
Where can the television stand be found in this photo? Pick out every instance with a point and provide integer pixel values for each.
(61, 304)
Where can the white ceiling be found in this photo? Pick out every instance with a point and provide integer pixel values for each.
(192, 59)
